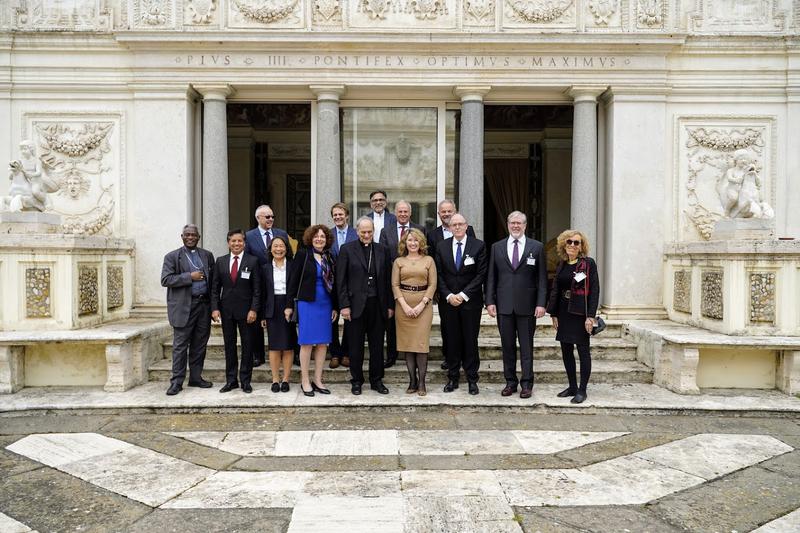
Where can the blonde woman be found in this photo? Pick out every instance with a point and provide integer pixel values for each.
(413, 286)
(573, 306)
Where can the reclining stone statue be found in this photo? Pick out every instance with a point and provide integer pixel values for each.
(739, 190)
(29, 185)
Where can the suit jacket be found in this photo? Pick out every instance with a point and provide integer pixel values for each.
(389, 236)
(388, 218)
(302, 279)
(350, 237)
(268, 290)
(517, 291)
(234, 300)
(254, 244)
(351, 278)
(469, 279)
(176, 275)
(436, 235)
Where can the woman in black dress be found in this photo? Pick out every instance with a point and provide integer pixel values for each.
(573, 307)
(281, 334)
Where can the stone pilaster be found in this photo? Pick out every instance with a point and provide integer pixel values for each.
(470, 168)
(328, 188)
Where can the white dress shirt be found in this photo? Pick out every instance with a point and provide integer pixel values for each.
(341, 235)
(446, 233)
(510, 248)
(463, 256)
(279, 277)
(378, 222)
(264, 233)
(238, 266)
(400, 229)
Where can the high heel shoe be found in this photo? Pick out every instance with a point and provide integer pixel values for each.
(320, 390)
(412, 387)
(422, 391)
(307, 392)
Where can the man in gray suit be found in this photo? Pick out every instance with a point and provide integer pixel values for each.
(187, 273)
(516, 288)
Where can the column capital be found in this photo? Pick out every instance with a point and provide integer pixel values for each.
(214, 91)
(327, 93)
(471, 93)
(585, 93)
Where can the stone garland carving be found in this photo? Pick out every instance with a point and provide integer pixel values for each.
(153, 12)
(88, 301)
(762, 297)
(479, 11)
(682, 291)
(539, 12)
(326, 10)
(602, 10)
(37, 293)
(725, 141)
(651, 12)
(115, 287)
(711, 305)
(268, 11)
(201, 11)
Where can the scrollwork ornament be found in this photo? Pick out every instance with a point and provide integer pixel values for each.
(266, 13)
(539, 12)
(603, 10)
(650, 12)
(375, 9)
(479, 9)
(326, 9)
(201, 11)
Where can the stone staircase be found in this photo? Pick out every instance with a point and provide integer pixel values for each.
(613, 359)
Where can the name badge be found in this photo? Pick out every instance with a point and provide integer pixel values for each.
(469, 261)
(531, 261)
(580, 276)
(245, 275)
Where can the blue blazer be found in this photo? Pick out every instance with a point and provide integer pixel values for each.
(350, 237)
(254, 245)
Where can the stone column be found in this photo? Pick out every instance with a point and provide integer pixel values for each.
(328, 188)
(470, 167)
(215, 217)
(583, 207)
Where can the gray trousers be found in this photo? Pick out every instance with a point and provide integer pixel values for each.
(189, 343)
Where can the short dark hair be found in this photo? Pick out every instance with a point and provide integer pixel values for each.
(233, 232)
(278, 238)
(342, 206)
(373, 193)
(308, 235)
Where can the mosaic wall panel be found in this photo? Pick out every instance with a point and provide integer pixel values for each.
(711, 293)
(762, 297)
(114, 287)
(37, 293)
(682, 291)
(88, 301)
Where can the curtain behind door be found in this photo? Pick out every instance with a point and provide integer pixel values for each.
(508, 184)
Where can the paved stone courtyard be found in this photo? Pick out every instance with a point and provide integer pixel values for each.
(439, 468)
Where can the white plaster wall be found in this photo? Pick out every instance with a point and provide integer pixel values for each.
(557, 174)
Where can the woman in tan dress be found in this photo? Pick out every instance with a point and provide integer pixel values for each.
(413, 285)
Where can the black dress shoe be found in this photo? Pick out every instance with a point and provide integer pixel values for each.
(390, 361)
(451, 385)
(284, 386)
(247, 388)
(320, 390)
(580, 397)
(203, 384)
(473, 388)
(276, 387)
(566, 393)
(508, 390)
(525, 393)
(355, 388)
(257, 362)
(307, 392)
(229, 387)
(380, 388)
(174, 389)
(444, 365)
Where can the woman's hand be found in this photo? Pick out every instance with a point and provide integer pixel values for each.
(419, 308)
(264, 323)
(589, 324)
(287, 313)
(334, 315)
(555, 322)
(407, 310)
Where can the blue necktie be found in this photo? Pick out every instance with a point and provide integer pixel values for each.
(458, 256)
(341, 237)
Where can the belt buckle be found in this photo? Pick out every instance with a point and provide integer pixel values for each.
(567, 294)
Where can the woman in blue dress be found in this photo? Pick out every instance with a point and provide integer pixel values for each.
(311, 283)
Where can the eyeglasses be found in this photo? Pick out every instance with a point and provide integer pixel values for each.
(266, 216)
(570, 242)
(378, 200)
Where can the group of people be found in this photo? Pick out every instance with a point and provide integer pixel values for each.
(382, 278)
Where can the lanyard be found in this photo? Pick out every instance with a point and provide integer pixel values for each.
(189, 258)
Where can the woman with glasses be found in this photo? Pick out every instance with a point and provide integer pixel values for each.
(573, 306)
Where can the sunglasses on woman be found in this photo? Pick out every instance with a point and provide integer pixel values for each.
(570, 242)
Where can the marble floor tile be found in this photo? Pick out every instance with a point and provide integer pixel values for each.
(711, 455)
(457, 514)
(343, 442)
(57, 449)
(458, 442)
(244, 490)
(9, 525)
(450, 483)
(353, 484)
(385, 514)
(554, 487)
(212, 439)
(789, 522)
(544, 442)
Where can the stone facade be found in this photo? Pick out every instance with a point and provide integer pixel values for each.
(37, 292)
(88, 294)
(712, 305)
(762, 297)
(682, 295)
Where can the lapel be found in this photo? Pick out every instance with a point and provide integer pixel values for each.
(504, 249)
(451, 261)
(528, 250)
(360, 254)
(469, 249)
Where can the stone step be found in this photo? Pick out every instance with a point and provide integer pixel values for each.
(610, 349)
(490, 372)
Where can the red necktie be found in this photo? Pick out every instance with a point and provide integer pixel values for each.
(402, 231)
(235, 268)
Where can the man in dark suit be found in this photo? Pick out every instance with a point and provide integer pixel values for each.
(446, 209)
(257, 242)
(235, 299)
(391, 234)
(379, 215)
(188, 273)
(461, 265)
(342, 234)
(363, 279)
(516, 287)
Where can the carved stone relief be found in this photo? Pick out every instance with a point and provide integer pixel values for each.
(539, 12)
(405, 14)
(88, 297)
(711, 305)
(650, 14)
(327, 12)
(77, 15)
(115, 293)
(200, 11)
(258, 13)
(153, 14)
(745, 16)
(603, 10)
(762, 297)
(37, 292)
(479, 12)
(682, 291)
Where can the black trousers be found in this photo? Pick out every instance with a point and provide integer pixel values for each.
(517, 328)
(443, 327)
(340, 349)
(190, 342)
(391, 339)
(371, 324)
(257, 345)
(245, 370)
(463, 327)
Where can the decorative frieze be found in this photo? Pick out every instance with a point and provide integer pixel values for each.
(650, 14)
(268, 11)
(762, 297)
(603, 10)
(403, 14)
(37, 292)
(115, 287)
(479, 12)
(153, 13)
(76, 15)
(539, 11)
(711, 305)
(88, 295)
(327, 11)
(738, 16)
(682, 291)
(200, 11)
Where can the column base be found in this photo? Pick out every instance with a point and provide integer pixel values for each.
(633, 312)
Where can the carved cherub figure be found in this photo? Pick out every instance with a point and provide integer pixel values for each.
(29, 185)
(739, 190)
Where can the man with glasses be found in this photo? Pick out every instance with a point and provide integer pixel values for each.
(516, 288)
(257, 242)
(342, 234)
(380, 217)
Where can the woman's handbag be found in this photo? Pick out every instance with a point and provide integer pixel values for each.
(601, 324)
(294, 318)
